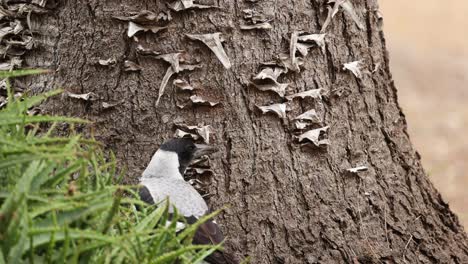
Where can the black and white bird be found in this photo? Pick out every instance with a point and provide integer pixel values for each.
(163, 179)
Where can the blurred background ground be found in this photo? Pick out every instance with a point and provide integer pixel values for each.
(428, 45)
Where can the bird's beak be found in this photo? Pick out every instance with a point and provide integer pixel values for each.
(202, 150)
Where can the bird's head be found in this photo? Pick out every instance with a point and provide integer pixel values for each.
(186, 150)
(176, 153)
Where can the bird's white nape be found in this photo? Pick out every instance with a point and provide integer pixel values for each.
(163, 164)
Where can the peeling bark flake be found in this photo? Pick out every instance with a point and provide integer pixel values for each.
(183, 85)
(173, 58)
(314, 93)
(85, 97)
(318, 39)
(310, 115)
(314, 136)
(182, 134)
(300, 125)
(264, 25)
(199, 100)
(146, 51)
(271, 73)
(255, 20)
(176, 61)
(355, 67)
(285, 60)
(278, 109)
(110, 61)
(357, 169)
(107, 105)
(347, 7)
(134, 28)
(144, 16)
(201, 130)
(180, 5)
(131, 66)
(266, 80)
(213, 41)
(165, 80)
(292, 51)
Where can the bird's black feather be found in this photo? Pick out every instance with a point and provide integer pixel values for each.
(185, 148)
(221, 257)
(145, 195)
(209, 233)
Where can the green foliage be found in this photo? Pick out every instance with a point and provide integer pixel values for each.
(59, 203)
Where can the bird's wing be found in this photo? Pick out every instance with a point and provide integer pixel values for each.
(209, 234)
(221, 257)
(145, 195)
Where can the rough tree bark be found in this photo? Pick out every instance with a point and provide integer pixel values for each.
(289, 203)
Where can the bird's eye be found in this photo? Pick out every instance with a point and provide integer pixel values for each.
(191, 147)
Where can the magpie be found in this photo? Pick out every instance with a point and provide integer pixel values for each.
(163, 179)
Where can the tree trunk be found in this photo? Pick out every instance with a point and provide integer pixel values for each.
(290, 202)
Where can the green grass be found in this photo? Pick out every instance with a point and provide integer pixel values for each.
(60, 202)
